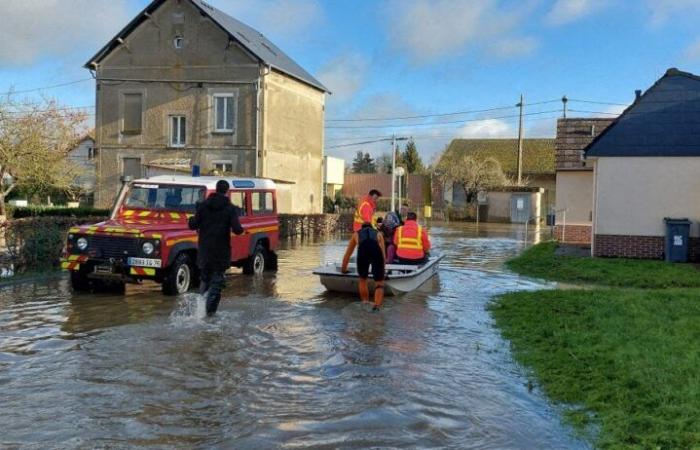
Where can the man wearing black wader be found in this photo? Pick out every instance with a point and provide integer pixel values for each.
(370, 252)
(214, 220)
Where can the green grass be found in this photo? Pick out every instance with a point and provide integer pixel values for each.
(540, 261)
(625, 360)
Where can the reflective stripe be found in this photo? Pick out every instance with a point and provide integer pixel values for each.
(410, 243)
(142, 271)
(358, 212)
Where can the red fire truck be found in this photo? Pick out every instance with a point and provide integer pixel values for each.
(147, 237)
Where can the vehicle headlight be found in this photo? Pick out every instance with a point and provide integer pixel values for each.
(148, 248)
(82, 243)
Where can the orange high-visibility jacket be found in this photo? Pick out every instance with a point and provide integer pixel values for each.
(364, 213)
(411, 241)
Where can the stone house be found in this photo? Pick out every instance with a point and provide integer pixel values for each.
(646, 166)
(183, 81)
(574, 182)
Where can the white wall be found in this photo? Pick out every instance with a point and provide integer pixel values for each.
(334, 170)
(575, 194)
(634, 194)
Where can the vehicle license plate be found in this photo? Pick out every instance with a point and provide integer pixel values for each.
(144, 262)
(104, 269)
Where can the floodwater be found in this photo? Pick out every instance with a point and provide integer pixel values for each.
(283, 365)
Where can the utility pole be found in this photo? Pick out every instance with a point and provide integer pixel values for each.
(393, 168)
(564, 100)
(520, 141)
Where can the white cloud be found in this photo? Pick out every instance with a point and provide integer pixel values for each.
(284, 18)
(428, 30)
(662, 11)
(567, 11)
(32, 29)
(488, 128)
(344, 75)
(512, 47)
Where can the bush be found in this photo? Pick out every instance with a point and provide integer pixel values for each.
(45, 211)
(328, 205)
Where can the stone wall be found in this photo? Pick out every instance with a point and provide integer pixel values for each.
(310, 225)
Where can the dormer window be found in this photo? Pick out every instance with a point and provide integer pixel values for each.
(178, 42)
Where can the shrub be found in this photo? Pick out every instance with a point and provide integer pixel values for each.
(328, 205)
(44, 211)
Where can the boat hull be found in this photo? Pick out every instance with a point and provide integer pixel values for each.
(402, 278)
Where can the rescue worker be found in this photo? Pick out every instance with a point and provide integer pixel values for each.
(370, 252)
(412, 241)
(365, 210)
(391, 222)
(214, 220)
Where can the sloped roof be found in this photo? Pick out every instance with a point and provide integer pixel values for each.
(249, 38)
(538, 154)
(664, 121)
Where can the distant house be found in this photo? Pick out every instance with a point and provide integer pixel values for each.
(646, 166)
(538, 174)
(84, 156)
(184, 84)
(574, 200)
(333, 175)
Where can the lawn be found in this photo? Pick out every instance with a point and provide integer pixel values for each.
(540, 261)
(624, 362)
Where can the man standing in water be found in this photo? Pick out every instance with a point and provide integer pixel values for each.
(214, 220)
(364, 213)
(370, 252)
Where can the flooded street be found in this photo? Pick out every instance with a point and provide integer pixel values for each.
(283, 364)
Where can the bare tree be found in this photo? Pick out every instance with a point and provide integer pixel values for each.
(472, 174)
(35, 139)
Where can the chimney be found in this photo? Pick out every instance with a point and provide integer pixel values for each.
(637, 94)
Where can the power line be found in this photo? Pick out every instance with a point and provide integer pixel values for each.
(424, 116)
(433, 124)
(66, 108)
(47, 87)
(594, 112)
(597, 102)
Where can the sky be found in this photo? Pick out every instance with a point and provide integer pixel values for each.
(392, 59)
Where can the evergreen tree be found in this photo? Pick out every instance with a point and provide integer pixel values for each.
(411, 159)
(363, 163)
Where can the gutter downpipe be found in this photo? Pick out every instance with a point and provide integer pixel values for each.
(258, 136)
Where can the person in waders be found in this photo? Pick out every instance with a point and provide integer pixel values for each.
(370, 252)
(214, 220)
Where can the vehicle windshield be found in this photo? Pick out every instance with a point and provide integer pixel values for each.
(167, 197)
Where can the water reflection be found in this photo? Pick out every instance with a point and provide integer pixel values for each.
(283, 364)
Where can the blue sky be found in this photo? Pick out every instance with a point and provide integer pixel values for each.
(402, 58)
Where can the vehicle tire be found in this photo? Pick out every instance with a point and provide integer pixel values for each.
(270, 261)
(180, 276)
(255, 264)
(79, 282)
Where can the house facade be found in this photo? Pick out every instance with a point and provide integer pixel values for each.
(185, 82)
(84, 156)
(574, 178)
(646, 167)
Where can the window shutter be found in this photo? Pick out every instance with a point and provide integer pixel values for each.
(133, 108)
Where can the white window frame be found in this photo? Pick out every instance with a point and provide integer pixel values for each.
(222, 162)
(181, 143)
(234, 105)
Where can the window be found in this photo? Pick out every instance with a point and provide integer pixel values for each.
(224, 113)
(262, 203)
(178, 42)
(238, 199)
(223, 166)
(131, 167)
(92, 153)
(133, 107)
(178, 134)
(173, 198)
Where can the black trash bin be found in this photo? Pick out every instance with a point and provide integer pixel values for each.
(676, 248)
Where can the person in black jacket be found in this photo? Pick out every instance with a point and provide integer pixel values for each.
(214, 220)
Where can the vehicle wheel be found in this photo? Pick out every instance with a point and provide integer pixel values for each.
(270, 261)
(255, 264)
(180, 276)
(79, 282)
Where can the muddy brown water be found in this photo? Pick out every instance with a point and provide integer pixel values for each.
(283, 365)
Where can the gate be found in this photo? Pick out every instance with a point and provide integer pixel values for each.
(519, 208)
